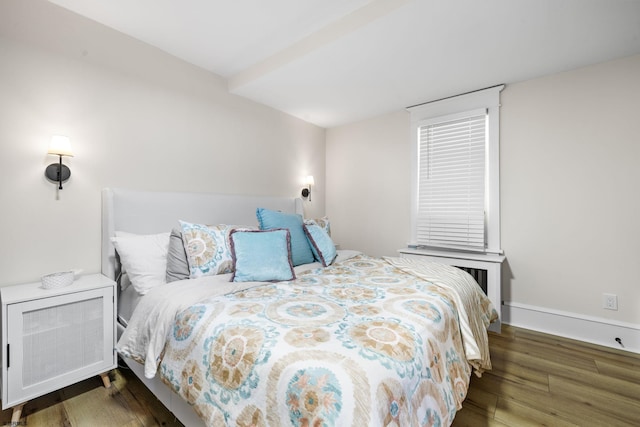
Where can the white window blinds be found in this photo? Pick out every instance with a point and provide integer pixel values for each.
(451, 181)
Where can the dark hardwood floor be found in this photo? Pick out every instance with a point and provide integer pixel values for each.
(537, 380)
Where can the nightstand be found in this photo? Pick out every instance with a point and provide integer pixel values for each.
(52, 338)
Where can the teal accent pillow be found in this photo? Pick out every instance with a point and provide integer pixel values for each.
(300, 249)
(323, 248)
(261, 255)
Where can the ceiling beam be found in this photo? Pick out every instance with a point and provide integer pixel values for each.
(329, 33)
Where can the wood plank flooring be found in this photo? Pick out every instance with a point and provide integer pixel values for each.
(537, 380)
(126, 403)
(543, 380)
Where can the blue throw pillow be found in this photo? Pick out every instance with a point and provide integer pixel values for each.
(261, 256)
(300, 249)
(323, 248)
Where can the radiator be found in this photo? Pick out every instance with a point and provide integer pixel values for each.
(480, 275)
(484, 268)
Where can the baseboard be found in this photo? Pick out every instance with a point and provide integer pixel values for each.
(575, 326)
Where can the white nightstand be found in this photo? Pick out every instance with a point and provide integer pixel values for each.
(52, 338)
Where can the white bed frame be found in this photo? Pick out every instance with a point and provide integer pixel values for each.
(145, 212)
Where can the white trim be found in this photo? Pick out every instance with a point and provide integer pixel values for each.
(483, 98)
(580, 327)
(477, 256)
(492, 180)
(451, 117)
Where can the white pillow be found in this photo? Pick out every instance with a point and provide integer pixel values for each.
(143, 257)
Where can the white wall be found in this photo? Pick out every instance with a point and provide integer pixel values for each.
(137, 118)
(570, 180)
(570, 186)
(368, 172)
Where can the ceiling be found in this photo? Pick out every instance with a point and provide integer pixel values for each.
(332, 62)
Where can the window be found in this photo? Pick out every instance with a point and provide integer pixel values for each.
(455, 197)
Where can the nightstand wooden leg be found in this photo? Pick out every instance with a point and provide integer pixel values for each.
(17, 413)
(105, 380)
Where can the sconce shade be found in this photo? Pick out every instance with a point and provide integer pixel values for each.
(60, 145)
(309, 180)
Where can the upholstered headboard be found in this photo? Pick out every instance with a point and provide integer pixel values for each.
(149, 212)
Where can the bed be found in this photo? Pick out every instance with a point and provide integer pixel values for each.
(360, 341)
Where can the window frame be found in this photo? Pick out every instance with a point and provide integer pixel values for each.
(488, 99)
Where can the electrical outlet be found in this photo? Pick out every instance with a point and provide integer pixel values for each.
(610, 301)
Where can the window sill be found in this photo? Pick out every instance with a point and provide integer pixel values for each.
(441, 253)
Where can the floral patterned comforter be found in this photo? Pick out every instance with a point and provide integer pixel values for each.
(355, 344)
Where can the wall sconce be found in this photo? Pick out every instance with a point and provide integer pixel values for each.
(306, 192)
(57, 172)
